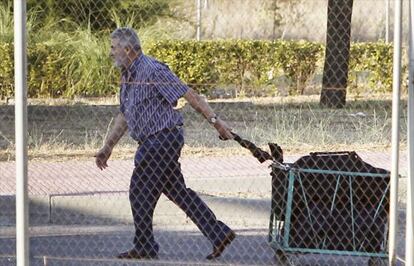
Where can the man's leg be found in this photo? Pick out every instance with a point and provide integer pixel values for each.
(145, 190)
(195, 208)
(188, 200)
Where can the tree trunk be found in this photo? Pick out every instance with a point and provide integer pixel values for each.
(338, 42)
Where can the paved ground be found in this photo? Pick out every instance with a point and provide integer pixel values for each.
(58, 245)
(76, 177)
(81, 216)
(177, 246)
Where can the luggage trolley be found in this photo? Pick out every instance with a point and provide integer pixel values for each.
(327, 203)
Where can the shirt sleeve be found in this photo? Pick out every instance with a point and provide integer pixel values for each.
(169, 85)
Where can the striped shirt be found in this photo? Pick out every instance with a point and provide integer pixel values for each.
(149, 93)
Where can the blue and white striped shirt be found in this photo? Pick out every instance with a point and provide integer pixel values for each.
(149, 93)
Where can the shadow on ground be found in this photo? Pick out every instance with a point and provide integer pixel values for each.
(177, 247)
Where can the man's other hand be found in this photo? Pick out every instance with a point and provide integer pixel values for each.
(223, 129)
(101, 157)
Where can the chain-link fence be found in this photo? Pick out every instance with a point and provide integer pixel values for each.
(126, 131)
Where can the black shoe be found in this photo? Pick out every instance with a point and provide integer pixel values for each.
(217, 250)
(134, 254)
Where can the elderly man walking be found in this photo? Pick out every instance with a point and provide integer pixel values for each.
(149, 93)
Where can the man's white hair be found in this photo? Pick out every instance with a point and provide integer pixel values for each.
(127, 37)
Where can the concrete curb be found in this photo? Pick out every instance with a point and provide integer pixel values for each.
(108, 208)
(114, 208)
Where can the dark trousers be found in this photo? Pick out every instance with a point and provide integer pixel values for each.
(157, 171)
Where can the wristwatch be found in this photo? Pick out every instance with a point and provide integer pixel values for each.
(213, 119)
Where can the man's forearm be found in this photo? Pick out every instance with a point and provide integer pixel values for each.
(199, 104)
(117, 131)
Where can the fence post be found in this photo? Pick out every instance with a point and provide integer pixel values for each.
(198, 20)
(409, 248)
(387, 21)
(22, 239)
(395, 139)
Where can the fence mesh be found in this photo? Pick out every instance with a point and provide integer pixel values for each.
(126, 133)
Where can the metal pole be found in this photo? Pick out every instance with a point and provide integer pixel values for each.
(409, 248)
(395, 132)
(387, 21)
(198, 20)
(20, 70)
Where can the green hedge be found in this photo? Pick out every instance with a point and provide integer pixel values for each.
(6, 70)
(248, 66)
(371, 63)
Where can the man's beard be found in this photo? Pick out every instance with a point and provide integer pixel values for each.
(119, 65)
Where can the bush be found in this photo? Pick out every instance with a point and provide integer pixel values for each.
(98, 15)
(245, 64)
(299, 61)
(55, 73)
(71, 65)
(371, 63)
(6, 70)
(191, 61)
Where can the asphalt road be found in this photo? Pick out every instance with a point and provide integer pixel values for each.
(69, 245)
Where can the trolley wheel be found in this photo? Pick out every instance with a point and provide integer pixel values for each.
(281, 257)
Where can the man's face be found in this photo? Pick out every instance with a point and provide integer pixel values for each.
(119, 54)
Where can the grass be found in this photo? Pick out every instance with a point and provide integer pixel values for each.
(61, 130)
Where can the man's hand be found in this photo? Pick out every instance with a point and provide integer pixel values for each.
(223, 129)
(115, 134)
(102, 156)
